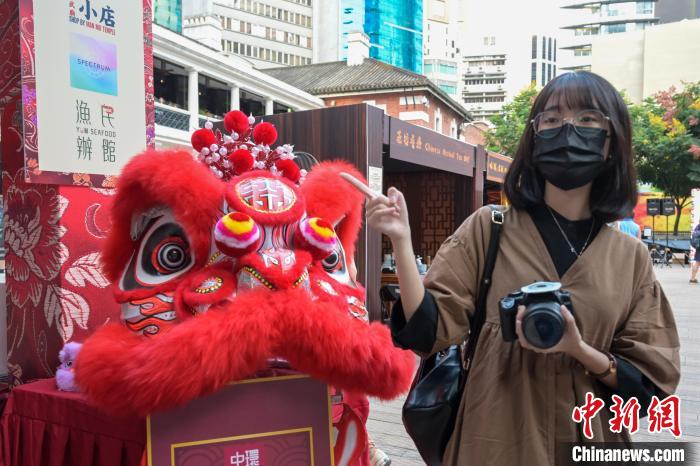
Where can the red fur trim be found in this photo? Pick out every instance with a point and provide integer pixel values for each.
(332, 198)
(266, 218)
(327, 344)
(130, 375)
(265, 133)
(170, 178)
(127, 374)
(236, 121)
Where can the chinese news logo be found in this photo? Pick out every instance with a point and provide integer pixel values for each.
(663, 414)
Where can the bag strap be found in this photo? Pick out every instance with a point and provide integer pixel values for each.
(480, 312)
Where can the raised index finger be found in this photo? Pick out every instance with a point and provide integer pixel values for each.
(359, 185)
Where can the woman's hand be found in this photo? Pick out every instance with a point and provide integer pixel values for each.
(570, 343)
(385, 214)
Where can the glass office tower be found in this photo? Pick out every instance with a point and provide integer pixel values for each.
(168, 13)
(394, 27)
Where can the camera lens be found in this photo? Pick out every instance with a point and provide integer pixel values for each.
(543, 324)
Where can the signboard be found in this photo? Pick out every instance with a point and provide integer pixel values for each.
(497, 166)
(87, 88)
(428, 148)
(257, 422)
(375, 178)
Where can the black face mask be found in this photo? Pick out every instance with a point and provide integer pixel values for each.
(570, 160)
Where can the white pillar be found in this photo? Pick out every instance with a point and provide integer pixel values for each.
(269, 106)
(235, 97)
(193, 98)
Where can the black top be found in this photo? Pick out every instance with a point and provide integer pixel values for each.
(579, 233)
(419, 333)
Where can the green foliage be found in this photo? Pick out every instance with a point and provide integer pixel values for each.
(666, 140)
(510, 124)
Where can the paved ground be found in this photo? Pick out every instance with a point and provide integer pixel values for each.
(385, 418)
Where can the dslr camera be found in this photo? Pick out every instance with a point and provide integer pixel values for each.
(543, 323)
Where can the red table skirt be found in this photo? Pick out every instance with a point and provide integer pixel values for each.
(42, 426)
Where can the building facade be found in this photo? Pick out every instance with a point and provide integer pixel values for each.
(168, 13)
(499, 66)
(194, 83)
(268, 33)
(394, 27)
(441, 52)
(584, 20)
(643, 63)
(399, 93)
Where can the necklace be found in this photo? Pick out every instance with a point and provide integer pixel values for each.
(571, 246)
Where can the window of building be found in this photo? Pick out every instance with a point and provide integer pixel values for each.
(645, 8)
(450, 89)
(280, 108)
(438, 121)
(583, 52)
(534, 47)
(252, 103)
(427, 67)
(555, 50)
(542, 78)
(214, 97)
(614, 28)
(533, 72)
(549, 52)
(544, 48)
(549, 72)
(170, 83)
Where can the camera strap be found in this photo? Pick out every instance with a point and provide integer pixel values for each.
(480, 311)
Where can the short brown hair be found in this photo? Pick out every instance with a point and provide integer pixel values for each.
(614, 191)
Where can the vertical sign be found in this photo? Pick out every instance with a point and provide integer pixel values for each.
(87, 70)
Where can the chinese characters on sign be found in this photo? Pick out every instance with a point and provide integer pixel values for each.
(663, 414)
(86, 132)
(250, 457)
(422, 146)
(497, 166)
(84, 13)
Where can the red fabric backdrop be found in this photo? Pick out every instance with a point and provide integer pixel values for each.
(55, 289)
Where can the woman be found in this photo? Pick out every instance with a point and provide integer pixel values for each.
(695, 243)
(518, 402)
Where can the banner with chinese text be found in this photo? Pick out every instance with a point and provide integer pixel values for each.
(87, 70)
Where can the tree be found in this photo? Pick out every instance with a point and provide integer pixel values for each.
(666, 140)
(510, 124)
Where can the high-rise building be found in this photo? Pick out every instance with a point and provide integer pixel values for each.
(269, 33)
(584, 19)
(670, 11)
(168, 13)
(394, 27)
(441, 52)
(502, 55)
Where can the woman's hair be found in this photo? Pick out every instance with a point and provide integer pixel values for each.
(614, 191)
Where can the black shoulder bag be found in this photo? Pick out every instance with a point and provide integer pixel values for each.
(430, 410)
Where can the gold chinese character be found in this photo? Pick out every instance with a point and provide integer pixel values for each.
(405, 139)
(419, 143)
(398, 137)
(413, 141)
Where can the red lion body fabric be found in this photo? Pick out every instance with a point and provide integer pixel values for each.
(220, 272)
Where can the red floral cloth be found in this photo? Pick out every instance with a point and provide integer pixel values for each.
(42, 426)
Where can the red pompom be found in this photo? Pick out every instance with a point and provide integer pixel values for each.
(203, 138)
(289, 169)
(242, 161)
(236, 121)
(265, 133)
